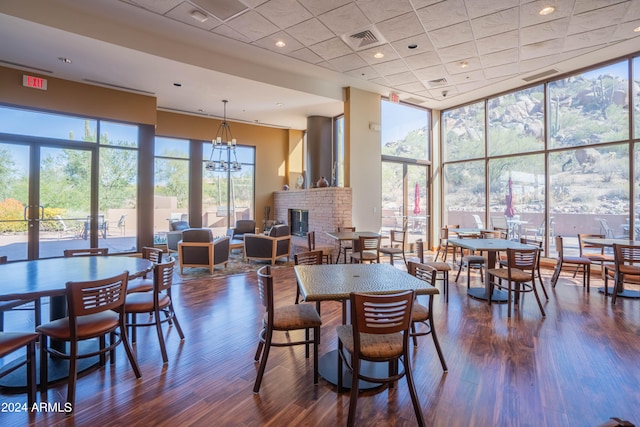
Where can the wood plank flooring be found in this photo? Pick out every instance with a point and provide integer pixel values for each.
(576, 367)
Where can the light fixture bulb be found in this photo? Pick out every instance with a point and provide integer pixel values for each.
(280, 43)
(199, 16)
(547, 10)
(378, 55)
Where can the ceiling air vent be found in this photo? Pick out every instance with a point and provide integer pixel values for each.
(437, 82)
(414, 101)
(364, 38)
(541, 75)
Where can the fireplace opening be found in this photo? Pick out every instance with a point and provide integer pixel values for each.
(299, 222)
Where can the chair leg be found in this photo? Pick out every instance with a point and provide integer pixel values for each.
(163, 347)
(31, 373)
(546, 295)
(556, 274)
(263, 361)
(412, 391)
(413, 334)
(316, 344)
(353, 401)
(174, 318)
(44, 365)
(73, 373)
(127, 348)
(535, 292)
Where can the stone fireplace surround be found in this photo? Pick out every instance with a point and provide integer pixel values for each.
(329, 208)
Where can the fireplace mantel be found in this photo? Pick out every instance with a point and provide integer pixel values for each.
(329, 208)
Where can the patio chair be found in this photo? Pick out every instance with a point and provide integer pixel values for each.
(606, 229)
(576, 261)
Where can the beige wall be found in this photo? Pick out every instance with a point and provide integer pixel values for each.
(362, 157)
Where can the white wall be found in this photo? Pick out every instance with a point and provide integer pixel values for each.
(363, 144)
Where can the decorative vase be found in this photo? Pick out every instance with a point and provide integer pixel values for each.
(322, 182)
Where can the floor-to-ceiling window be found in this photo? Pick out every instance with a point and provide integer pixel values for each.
(68, 182)
(557, 157)
(405, 168)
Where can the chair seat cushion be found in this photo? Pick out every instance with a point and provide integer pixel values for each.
(598, 257)
(576, 260)
(372, 346)
(139, 285)
(11, 341)
(386, 250)
(296, 316)
(439, 265)
(89, 326)
(142, 302)
(365, 255)
(420, 313)
(629, 269)
(517, 275)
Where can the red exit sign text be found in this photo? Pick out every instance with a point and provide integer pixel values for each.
(34, 82)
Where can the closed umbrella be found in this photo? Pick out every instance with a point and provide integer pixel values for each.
(509, 211)
(416, 200)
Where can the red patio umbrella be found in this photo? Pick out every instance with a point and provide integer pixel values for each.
(509, 211)
(416, 200)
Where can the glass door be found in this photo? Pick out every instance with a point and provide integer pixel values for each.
(45, 202)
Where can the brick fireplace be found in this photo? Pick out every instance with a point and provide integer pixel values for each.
(328, 208)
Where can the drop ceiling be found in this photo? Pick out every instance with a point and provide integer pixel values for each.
(192, 54)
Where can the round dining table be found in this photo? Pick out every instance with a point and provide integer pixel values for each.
(48, 278)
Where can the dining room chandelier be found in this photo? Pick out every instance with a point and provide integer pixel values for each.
(223, 148)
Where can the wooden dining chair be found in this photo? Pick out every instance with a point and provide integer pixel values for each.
(423, 314)
(443, 244)
(575, 261)
(367, 249)
(396, 248)
(96, 309)
(86, 252)
(595, 253)
(519, 276)
(286, 318)
(306, 258)
(145, 283)
(345, 246)
(326, 250)
(155, 302)
(470, 261)
(442, 268)
(20, 304)
(11, 342)
(625, 268)
(379, 332)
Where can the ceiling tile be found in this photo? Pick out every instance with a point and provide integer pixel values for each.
(331, 48)
(347, 62)
(411, 87)
(424, 60)
(252, 25)
(473, 64)
(498, 42)
(453, 35)
(269, 42)
(400, 27)
(183, 12)
(462, 78)
(496, 23)
(541, 49)
(633, 12)
(545, 31)
(582, 6)
(284, 13)
(391, 67)
(367, 73)
(625, 31)
(319, 7)
(431, 73)
(386, 49)
(443, 14)
(500, 58)
(538, 64)
(530, 12)
(345, 19)
(422, 42)
(419, 4)
(380, 10)
(254, 3)
(380, 81)
(401, 78)
(157, 6)
(486, 7)
(306, 55)
(225, 30)
(506, 70)
(458, 52)
(310, 32)
(589, 39)
(222, 9)
(603, 17)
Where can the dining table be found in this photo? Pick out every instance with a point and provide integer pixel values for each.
(608, 243)
(342, 236)
(336, 282)
(47, 278)
(491, 247)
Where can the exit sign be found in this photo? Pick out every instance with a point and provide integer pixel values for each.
(34, 82)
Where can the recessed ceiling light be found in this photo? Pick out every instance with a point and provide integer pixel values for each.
(378, 55)
(280, 43)
(547, 10)
(279, 104)
(199, 16)
(65, 60)
(637, 29)
(177, 84)
(412, 46)
(464, 64)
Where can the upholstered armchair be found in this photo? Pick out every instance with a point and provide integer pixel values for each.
(268, 247)
(175, 234)
(198, 249)
(243, 226)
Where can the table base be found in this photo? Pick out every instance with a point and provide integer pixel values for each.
(58, 369)
(627, 293)
(328, 369)
(498, 296)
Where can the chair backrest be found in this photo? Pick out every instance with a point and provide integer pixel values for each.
(559, 247)
(532, 242)
(444, 234)
(86, 252)
(311, 240)
(496, 234)
(590, 248)
(265, 290)
(280, 230)
(604, 224)
(122, 220)
(478, 221)
(245, 226)
(420, 250)
(423, 272)
(152, 254)
(523, 259)
(351, 229)
(381, 314)
(3, 259)
(398, 236)
(626, 255)
(178, 226)
(90, 297)
(308, 258)
(499, 221)
(163, 276)
(197, 235)
(367, 243)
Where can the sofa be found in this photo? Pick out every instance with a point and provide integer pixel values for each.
(199, 249)
(277, 244)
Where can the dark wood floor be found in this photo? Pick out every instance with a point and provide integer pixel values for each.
(577, 367)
